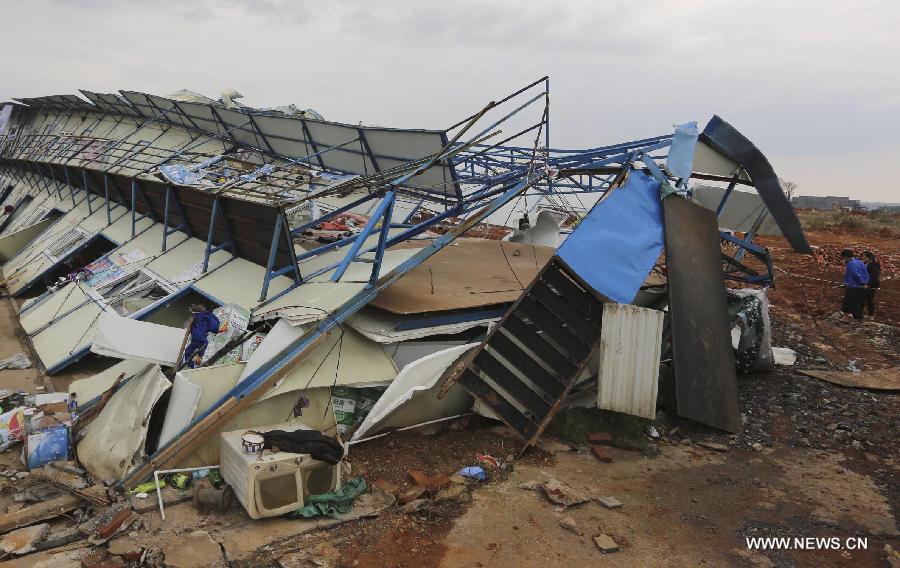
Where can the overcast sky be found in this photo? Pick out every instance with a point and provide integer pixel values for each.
(815, 84)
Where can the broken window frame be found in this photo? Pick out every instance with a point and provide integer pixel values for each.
(33, 217)
(114, 293)
(71, 246)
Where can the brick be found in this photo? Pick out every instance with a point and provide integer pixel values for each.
(418, 477)
(412, 494)
(600, 438)
(606, 544)
(432, 483)
(601, 454)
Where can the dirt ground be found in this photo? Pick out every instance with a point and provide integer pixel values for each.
(814, 460)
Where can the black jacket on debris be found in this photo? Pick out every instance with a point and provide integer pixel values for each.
(311, 442)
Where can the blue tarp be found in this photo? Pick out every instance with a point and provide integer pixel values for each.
(616, 245)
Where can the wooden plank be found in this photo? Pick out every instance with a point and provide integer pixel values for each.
(562, 363)
(574, 319)
(39, 512)
(882, 379)
(444, 282)
(504, 410)
(516, 389)
(552, 383)
(544, 320)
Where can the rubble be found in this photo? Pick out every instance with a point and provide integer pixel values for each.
(562, 494)
(193, 550)
(355, 323)
(569, 524)
(609, 502)
(22, 541)
(606, 544)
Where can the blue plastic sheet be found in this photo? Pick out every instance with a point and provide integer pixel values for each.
(473, 471)
(681, 153)
(616, 245)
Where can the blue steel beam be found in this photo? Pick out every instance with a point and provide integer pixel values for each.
(382, 212)
(280, 232)
(229, 241)
(182, 226)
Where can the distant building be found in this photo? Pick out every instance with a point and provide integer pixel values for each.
(826, 203)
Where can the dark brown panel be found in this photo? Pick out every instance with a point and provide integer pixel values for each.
(705, 375)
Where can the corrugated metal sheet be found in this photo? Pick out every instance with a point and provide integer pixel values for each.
(629, 359)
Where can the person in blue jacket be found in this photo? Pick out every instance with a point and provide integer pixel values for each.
(856, 278)
(204, 323)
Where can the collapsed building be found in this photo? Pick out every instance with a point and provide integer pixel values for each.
(373, 278)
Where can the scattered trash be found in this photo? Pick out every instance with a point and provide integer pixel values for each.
(332, 503)
(653, 432)
(489, 462)
(474, 472)
(784, 356)
(17, 361)
(212, 499)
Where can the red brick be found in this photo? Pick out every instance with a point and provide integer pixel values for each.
(412, 494)
(600, 438)
(600, 454)
(386, 486)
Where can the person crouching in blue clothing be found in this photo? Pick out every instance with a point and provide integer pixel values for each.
(856, 278)
(204, 323)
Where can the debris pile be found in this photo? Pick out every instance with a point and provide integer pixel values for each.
(354, 282)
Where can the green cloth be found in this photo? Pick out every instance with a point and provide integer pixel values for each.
(665, 190)
(334, 503)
